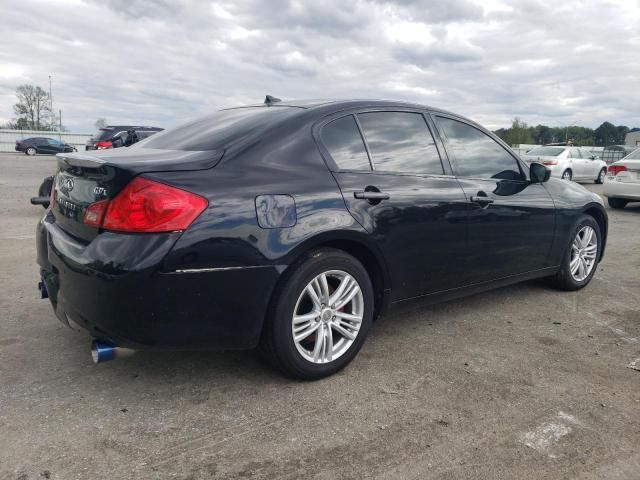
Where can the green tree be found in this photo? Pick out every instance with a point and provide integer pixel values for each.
(542, 134)
(33, 108)
(518, 133)
(606, 134)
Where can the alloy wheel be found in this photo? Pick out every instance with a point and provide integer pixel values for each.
(327, 316)
(566, 175)
(584, 250)
(603, 174)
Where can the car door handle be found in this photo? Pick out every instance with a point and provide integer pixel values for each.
(367, 195)
(482, 200)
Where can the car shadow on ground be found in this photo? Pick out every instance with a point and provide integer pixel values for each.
(250, 368)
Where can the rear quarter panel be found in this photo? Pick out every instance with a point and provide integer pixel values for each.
(228, 234)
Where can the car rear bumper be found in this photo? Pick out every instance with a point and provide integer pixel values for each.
(616, 189)
(137, 305)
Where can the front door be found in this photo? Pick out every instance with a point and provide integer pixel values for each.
(395, 185)
(511, 221)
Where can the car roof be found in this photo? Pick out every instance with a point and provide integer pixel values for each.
(136, 127)
(328, 106)
(339, 104)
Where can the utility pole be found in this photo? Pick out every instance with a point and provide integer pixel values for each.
(52, 116)
(60, 130)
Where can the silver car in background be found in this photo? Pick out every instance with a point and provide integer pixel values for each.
(623, 181)
(569, 163)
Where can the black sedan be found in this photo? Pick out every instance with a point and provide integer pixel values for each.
(292, 226)
(34, 145)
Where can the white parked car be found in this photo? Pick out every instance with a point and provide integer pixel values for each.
(622, 184)
(569, 163)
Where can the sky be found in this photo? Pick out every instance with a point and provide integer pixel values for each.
(163, 62)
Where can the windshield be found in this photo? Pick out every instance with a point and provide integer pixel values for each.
(546, 151)
(635, 155)
(219, 129)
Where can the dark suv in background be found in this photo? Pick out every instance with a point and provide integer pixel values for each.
(114, 136)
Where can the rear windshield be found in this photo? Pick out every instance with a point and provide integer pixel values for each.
(215, 131)
(546, 151)
(102, 134)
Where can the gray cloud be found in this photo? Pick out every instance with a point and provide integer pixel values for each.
(162, 62)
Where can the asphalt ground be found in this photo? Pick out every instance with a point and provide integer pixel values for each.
(523, 382)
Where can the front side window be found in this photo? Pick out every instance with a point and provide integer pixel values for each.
(400, 142)
(476, 154)
(344, 143)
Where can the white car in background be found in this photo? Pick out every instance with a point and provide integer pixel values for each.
(622, 184)
(568, 163)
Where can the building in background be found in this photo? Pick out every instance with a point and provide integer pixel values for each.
(632, 139)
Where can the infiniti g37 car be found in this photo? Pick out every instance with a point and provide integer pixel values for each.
(292, 226)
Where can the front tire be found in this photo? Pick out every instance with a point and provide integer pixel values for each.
(601, 176)
(617, 202)
(31, 151)
(581, 256)
(321, 315)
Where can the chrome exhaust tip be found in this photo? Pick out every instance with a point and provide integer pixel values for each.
(103, 352)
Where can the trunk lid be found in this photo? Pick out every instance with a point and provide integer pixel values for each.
(85, 178)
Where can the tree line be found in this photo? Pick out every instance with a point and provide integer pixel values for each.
(33, 110)
(606, 134)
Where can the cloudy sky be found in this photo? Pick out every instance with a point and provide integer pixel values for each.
(161, 62)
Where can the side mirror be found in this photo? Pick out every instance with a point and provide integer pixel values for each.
(538, 173)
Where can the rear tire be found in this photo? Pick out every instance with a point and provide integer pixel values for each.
(308, 357)
(567, 175)
(617, 202)
(601, 175)
(567, 278)
(31, 151)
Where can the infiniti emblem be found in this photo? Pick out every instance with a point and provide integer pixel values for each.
(67, 184)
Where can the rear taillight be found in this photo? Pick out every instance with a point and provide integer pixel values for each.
(103, 144)
(616, 169)
(18, 142)
(550, 162)
(146, 206)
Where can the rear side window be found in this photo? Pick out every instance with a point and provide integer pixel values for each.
(344, 143)
(400, 142)
(220, 129)
(103, 134)
(476, 154)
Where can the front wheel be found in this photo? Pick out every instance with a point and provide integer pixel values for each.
(581, 256)
(321, 315)
(31, 151)
(601, 176)
(567, 175)
(617, 202)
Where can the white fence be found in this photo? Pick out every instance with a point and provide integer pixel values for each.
(8, 138)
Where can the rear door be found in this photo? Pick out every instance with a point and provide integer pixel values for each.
(578, 164)
(396, 186)
(511, 220)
